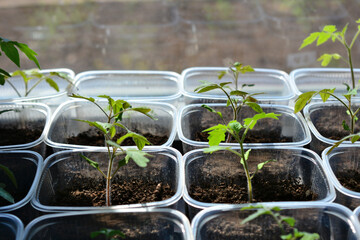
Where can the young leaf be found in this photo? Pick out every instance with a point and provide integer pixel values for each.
(9, 174)
(4, 194)
(139, 140)
(250, 122)
(206, 88)
(355, 138)
(289, 220)
(144, 110)
(309, 40)
(235, 126)
(326, 58)
(212, 149)
(259, 212)
(261, 165)
(82, 97)
(211, 110)
(52, 84)
(323, 37)
(103, 127)
(256, 107)
(238, 93)
(329, 28)
(31, 54)
(91, 162)
(113, 144)
(302, 100)
(221, 74)
(246, 156)
(11, 52)
(139, 157)
(122, 162)
(324, 94)
(216, 134)
(345, 126)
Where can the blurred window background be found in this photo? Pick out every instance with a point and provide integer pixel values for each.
(174, 34)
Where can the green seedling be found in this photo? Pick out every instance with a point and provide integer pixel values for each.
(33, 77)
(281, 221)
(10, 48)
(114, 115)
(236, 99)
(3, 193)
(110, 234)
(331, 32)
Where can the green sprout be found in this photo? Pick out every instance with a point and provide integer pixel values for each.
(114, 114)
(280, 220)
(331, 32)
(110, 234)
(10, 48)
(3, 193)
(236, 99)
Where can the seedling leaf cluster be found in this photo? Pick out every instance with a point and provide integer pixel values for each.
(236, 99)
(330, 32)
(114, 113)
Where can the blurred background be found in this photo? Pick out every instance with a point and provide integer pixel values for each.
(174, 34)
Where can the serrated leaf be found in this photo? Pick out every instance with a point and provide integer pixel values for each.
(31, 54)
(309, 40)
(9, 174)
(329, 28)
(52, 84)
(216, 137)
(322, 38)
(212, 149)
(5, 195)
(91, 162)
(11, 52)
(139, 157)
(324, 93)
(302, 100)
(256, 107)
(250, 122)
(140, 140)
(235, 126)
(103, 127)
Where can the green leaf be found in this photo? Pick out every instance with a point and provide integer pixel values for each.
(246, 69)
(52, 84)
(345, 126)
(216, 134)
(250, 122)
(144, 110)
(139, 157)
(103, 127)
(235, 126)
(238, 93)
(221, 74)
(11, 52)
(246, 156)
(140, 140)
(113, 144)
(7, 196)
(355, 138)
(91, 162)
(256, 107)
(302, 100)
(83, 97)
(289, 220)
(212, 149)
(329, 28)
(309, 40)
(323, 37)
(122, 162)
(326, 58)
(206, 88)
(112, 131)
(3, 75)
(109, 233)
(324, 94)
(310, 236)
(211, 110)
(31, 54)
(261, 165)
(9, 174)
(255, 215)
(343, 32)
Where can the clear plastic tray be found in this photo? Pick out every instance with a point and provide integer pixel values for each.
(11, 228)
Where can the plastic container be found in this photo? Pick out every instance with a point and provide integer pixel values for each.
(27, 124)
(26, 167)
(273, 83)
(11, 228)
(65, 126)
(329, 220)
(129, 85)
(43, 93)
(290, 130)
(64, 169)
(222, 168)
(343, 162)
(325, 123)
(135, 224)
(314, 79)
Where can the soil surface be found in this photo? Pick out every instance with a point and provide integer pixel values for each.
(96, 138)
(86, 192)
(350, 180)
(265, 190)
(14, 136)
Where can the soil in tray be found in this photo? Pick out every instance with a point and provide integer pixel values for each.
(93, 137)
(349, 179)
(15, 136)
(86, 192)
(265, 189)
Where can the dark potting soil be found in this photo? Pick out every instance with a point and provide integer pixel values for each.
(93, 137)
(349, 179)
(265, 189)
(86, 192)
(14, 136)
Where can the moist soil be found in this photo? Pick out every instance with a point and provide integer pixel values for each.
(86, 192)
(349, 179)
(93, 137)
(14, 136)
(265, 189)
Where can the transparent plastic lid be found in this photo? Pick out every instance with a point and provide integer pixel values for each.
(11, 227)
(274, 84)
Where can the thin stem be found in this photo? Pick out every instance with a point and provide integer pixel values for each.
(351, 66)
(17, 92)
(27, 92)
